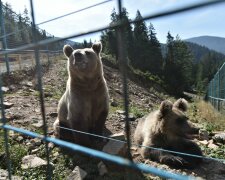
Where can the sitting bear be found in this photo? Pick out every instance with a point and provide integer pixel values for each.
(84, 105)
(168, 128)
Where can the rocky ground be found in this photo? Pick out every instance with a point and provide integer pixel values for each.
(22, 106)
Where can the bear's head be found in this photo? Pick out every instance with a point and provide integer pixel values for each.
(174, 119)
(83, 62)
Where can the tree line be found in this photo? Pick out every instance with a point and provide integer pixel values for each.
(175, 62)
(18, 29)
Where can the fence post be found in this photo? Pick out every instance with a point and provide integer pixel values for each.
(19, 60)
(48, 54)
(2, 25)
(123, 65)
(218, 90)
(40, 89)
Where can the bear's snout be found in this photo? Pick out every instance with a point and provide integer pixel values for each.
(78, 56)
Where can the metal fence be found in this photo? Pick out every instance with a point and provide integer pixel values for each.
(216, 90)
(36, 45)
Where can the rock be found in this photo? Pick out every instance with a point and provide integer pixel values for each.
(204, 142)
(51, 145)
(120, 112)
(19, 139)
(48, 94)
(56, 154)
(203, 135)
(114, 104)
(38, 124)
(115, 148)
(119, 136)
(11, 133)
(26, 105)
(3, 174)
(53, 114)
(34, 151)
(118, 91)
(102, 168)
(132, 117)
(7, 105)
(5, 89)
(29, 84)
(77, 174)
(12, 87)
(16, 178)
(213, 146)
(36, 142)
(32, 161)
(220, 138)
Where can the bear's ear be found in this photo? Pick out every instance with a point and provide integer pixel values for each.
(181, 104)
(166, 107)
(67, 49)
(97, 47)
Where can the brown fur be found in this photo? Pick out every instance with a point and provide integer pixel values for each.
(168, 128)
(84, 105)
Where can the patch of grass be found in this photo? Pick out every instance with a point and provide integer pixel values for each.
(146, 76)
(214, 153)
(138, 112)
(56, 92)
(204, 113)
(17, 152)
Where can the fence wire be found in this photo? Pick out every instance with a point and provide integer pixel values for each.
(28, 36)
(216, 90)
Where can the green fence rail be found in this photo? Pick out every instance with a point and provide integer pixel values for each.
(216, 89)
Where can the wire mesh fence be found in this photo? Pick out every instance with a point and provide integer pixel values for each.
(216, 90)
(23, 45)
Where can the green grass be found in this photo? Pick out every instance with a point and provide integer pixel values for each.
(211, 120)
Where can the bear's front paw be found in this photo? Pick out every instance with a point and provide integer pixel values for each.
(145, 152)
(174, 161)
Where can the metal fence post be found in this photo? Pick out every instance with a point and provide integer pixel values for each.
(2, 25)
(218, 107)
(40, 89)
(123, 65)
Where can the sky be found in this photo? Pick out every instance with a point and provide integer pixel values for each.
(204, 21)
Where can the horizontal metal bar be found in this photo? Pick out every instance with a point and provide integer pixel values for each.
(104, 156)
(216, 98)
(157, 15)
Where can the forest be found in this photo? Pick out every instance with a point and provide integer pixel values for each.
(18, 30)
(182, 66)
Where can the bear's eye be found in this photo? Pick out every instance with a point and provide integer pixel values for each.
(87, 53)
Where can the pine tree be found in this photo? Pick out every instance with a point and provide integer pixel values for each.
(155, 56)
(140, 45)
(178, 67)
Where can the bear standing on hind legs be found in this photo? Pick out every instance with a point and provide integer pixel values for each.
(168, 128)
(84, 105)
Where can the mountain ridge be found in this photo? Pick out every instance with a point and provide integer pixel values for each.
(212, 42)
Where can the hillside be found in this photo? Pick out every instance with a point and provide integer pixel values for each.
(25, 113)
(211, 42)
(200, 51)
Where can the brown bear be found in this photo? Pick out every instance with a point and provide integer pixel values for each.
(85, 104)
(168, 128)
